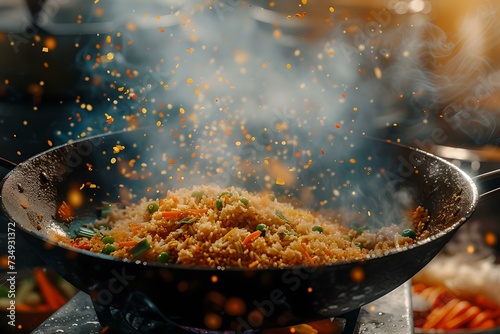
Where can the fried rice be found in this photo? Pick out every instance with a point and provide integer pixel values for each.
(215, 227)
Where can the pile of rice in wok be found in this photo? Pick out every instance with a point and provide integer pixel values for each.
(215, 227)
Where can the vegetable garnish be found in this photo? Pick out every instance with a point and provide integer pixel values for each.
(244, 201)
(306, 253)
(108, 249)
(218, 204)
(317, 228)
(141, 247)
(152, 207)
(251, 237)
(81, 245)
(197, 194)
(85, 232)
(163, 257)
(262, 228)
(108, 240)
(187, 220)
(409, 233)
(129, 243)
(280, 215)
(106, 210)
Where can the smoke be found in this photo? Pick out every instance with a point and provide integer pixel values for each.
(248, 99)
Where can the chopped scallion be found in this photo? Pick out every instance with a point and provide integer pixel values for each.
(85, 232)
(187, 220)
(142, 247)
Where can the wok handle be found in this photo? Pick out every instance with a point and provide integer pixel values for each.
(7, 164)
(485, 177)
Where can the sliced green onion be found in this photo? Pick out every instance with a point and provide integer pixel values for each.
(142, 247)
(280, 215)
(152, 207)
(288, 233)
(187, 220)
(108, 249)
(163, 257)
(244, 201)
(106, 210)
(317, 228)
(108, 239)
(409, 233)
(85, 232)
(197, 194)
(360, 245)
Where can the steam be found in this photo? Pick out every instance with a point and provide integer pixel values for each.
(241, 92)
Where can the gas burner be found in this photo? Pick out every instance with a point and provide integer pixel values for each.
(389, 314)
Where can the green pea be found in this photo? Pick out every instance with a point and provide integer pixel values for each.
(108, 249)
(262, 228)
(108, 240)
(152, 207)
(244, 201)
(163, 257)
(218, 204)
(409, 233)
(197, 194)
(317, 228)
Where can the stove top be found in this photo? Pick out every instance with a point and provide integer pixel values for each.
(389, 314)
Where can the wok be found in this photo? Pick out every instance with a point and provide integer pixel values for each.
(379, 187)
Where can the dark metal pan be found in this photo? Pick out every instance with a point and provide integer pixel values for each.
(376, 180)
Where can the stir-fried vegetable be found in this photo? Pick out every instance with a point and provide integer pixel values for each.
(85, 232)
(409, 233)
(152, 207)
(163, 257)
(139, 249)
(108, 249)
(317, 228)
(108, 240)
(261, 228)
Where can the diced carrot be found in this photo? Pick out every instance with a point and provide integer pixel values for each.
(194, 212)
(129, 243)
(306, 253)
(136, 228)
(251, 237)
(465, 317)
(171, 214)
(50, 293)
(438, 314)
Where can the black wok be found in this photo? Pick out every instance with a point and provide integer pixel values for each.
(382, 184)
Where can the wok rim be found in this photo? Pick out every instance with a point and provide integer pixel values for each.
(442, 233)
